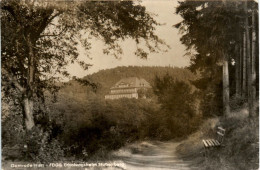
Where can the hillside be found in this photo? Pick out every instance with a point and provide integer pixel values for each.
(107, 78)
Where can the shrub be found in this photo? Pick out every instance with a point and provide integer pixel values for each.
(13, 132)
(178, 111)
(50, 151)
(236, 102)
(102, 126)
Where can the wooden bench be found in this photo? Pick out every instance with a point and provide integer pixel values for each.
(211, 143)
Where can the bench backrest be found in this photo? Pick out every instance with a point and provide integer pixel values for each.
(221, 133)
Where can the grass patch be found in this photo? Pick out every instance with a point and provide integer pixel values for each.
(240, 148)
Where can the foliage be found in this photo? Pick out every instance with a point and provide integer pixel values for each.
(85, 126)
(13, 136)
(178, 110)
(12, 130)
(144, 93)
(240, 144)
(96, 125)
(59, 24)
(222, 32)
(245, 151)
(15, 139)
(211, 31)
(39, 39)
(50, 151)
(210, 95)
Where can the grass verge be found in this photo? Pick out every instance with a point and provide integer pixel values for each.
(240, 148)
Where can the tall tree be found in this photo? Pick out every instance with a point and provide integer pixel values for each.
(214, 30)
(238, 70)
(244, 86)
(238, 58)
(226, 92)
(210, 38)
(254, 53)
(248, 62)
(39, 39)
(241, 64)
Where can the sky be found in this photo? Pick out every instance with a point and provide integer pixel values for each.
(173, 57)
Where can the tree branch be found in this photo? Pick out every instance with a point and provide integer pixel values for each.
(13, 80)
(51, 18)
(54, 35)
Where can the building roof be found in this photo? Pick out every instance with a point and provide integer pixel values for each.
(131, 82)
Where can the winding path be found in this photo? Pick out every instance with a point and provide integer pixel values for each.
(151, 156)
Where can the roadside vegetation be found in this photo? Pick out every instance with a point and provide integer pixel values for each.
(239, 150)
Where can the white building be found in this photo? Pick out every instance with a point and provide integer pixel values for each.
(127, 88)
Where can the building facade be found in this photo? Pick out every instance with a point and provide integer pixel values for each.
(127, 88)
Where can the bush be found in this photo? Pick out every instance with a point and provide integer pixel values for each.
(236, 102)
(13, 132)
(50, 151)
(13, 137)
(241, 143)
(178, 110)
(101, 125)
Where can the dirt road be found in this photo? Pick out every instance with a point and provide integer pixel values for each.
(136, 156)
(151, 156)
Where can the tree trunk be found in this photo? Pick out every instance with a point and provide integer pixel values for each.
(253, 70)
(238, 77)
(249, 65)
(28, 99)
(225, 87)
(28, 113)
(241, 66)
(244, 67)
(225, 80)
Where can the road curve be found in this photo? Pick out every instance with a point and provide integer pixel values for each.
(150, 155)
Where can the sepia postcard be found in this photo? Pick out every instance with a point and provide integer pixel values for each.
(129, 85)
